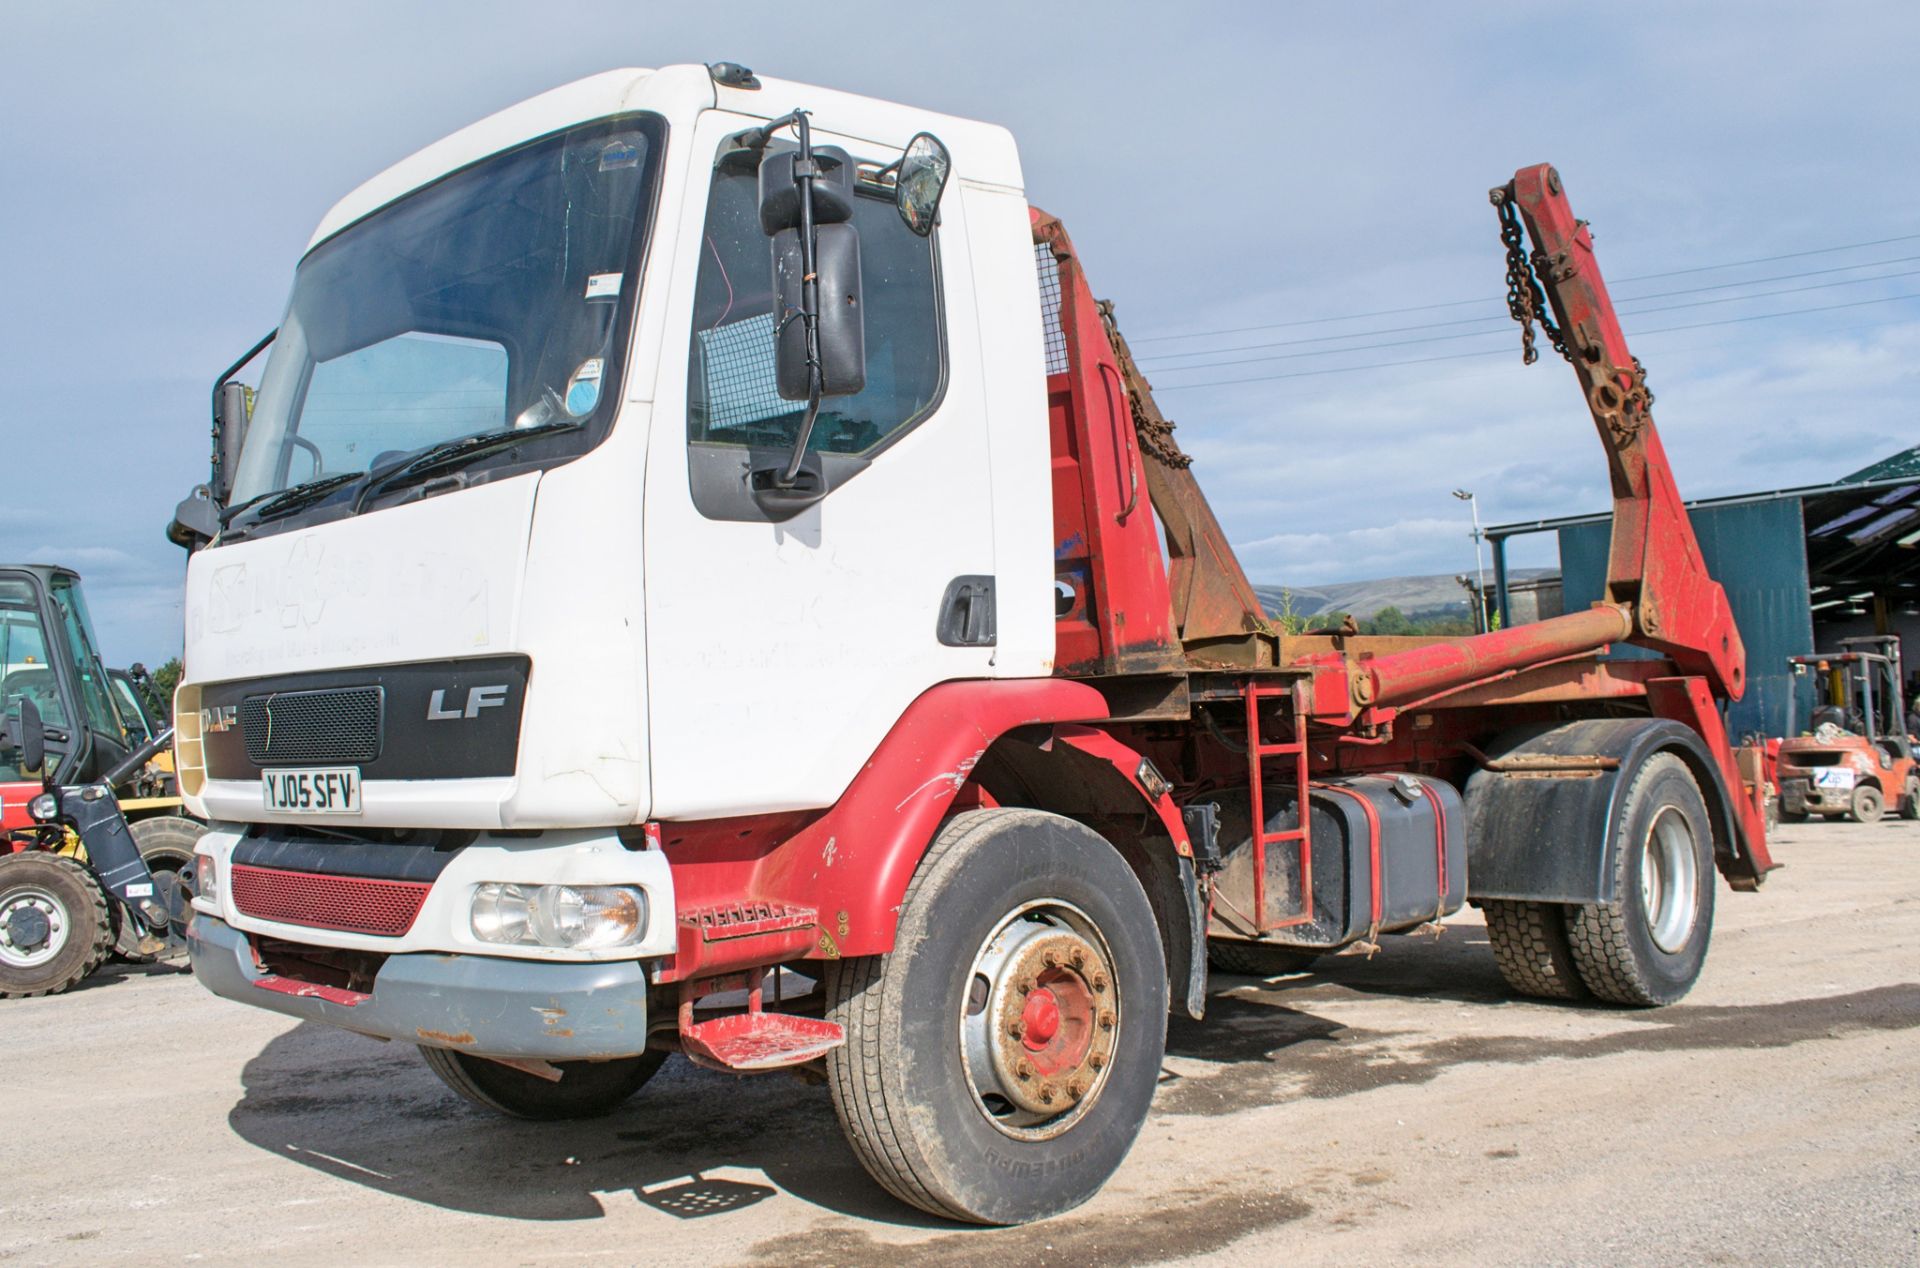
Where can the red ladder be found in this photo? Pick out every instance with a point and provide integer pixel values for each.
(1296, 748)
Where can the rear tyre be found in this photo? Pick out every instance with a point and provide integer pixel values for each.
(1530, 945)
(1868, 805)
(54, 928)
(586, 1089)
(1647, 947)
(1910, 798)
(1257, 959)
(1000, 1060)
(166, 846)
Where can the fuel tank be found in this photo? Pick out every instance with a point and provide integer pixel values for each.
(1388, 852)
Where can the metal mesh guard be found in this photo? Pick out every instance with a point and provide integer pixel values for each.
(351, 904)
(330, 725)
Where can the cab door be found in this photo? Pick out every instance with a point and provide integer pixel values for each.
(781, 648)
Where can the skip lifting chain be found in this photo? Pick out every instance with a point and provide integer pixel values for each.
(1625, 410)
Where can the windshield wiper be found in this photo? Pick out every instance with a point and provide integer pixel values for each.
(452, 453)
(272, 505)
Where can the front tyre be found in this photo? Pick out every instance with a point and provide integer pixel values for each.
(1001, 1059)
(1867, 805)
(585, 1089)
(1648, 945)
(54, 928)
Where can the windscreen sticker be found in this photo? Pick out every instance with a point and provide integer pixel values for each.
(619, 154)
(604, 285)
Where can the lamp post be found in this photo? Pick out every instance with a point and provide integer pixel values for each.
(1480, 598)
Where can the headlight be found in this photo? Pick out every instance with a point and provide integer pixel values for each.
(44, 807)
(206, 880)
(570, 917)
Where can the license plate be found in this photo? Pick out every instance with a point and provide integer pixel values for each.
(1835, 777)
(327, 790)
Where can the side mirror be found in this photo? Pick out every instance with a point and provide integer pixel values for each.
(842, 325)
(26, 734)
(922, 178)
(232, 411)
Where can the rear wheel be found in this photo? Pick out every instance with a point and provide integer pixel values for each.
(1257, 959)
(1868, 805)
(1910, 799)
(1647, 947)
(1530, 945)
(585, 1089)
(53, 924)
(1001, 1059)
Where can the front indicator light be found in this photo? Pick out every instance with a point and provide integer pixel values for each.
(206, 879)
(564, 917)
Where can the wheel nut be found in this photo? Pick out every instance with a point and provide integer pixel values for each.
(1024, 1070)
(1098, 1060)
(1076, 1089)
(1100, 982)
(1051, 960)
(1078, 957)
(1107, 1019)
(1026, 985)
(1017, 1029)
(1046, 1093)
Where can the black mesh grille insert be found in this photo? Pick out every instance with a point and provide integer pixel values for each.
(333, 725)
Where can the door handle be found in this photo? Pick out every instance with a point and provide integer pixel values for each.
(967, 613)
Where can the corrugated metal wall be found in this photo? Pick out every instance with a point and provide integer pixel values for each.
(1758, 552)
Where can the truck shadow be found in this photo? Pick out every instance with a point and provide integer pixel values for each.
(372, 1114)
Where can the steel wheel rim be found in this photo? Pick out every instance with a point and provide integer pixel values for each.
(51, 909)
(1068, 1013)
(1669, 880)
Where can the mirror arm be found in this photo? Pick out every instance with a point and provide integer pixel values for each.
(226, 376)
(809, 290)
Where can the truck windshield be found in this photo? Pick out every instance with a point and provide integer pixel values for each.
(492, 299)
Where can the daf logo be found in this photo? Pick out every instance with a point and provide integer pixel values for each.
(478, 698)
(220, 717)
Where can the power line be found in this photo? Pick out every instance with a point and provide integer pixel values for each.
(1481, 334)
(1503, 317)
(1462, 303)
(1494, 352)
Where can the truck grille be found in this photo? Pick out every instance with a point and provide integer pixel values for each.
(329, 725)
(350, 904)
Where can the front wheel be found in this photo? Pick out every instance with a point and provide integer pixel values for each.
(1648, 945)
(1000, 1060)
(585, 1089)
(1910, 799)
(1867, 805)
(53, 924)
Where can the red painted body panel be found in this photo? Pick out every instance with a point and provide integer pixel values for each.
(1105, 544)
(13, 804)
(850, 865)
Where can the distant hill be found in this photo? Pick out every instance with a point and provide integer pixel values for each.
(1416, 597)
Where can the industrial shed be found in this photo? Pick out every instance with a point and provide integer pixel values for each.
(1803, 568)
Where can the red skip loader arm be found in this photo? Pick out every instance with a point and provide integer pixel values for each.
(1659, 594)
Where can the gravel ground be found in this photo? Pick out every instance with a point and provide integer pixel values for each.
(1397, 1109)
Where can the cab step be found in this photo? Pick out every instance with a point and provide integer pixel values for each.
(750, 1042)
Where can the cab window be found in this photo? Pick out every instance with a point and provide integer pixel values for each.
(732, 399)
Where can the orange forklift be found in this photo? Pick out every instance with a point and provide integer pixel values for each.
(1856, 757)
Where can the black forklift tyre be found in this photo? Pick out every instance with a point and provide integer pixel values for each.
(1647, 947)
(166, 846)
(955, 1086)
(72, 910)
(1910, 799)
(1868, 804)
(585, 1089)
(1257, 959)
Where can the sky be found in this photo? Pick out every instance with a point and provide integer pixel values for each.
(1252, 168)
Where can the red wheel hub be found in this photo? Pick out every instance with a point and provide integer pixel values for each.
(1041, 1018)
